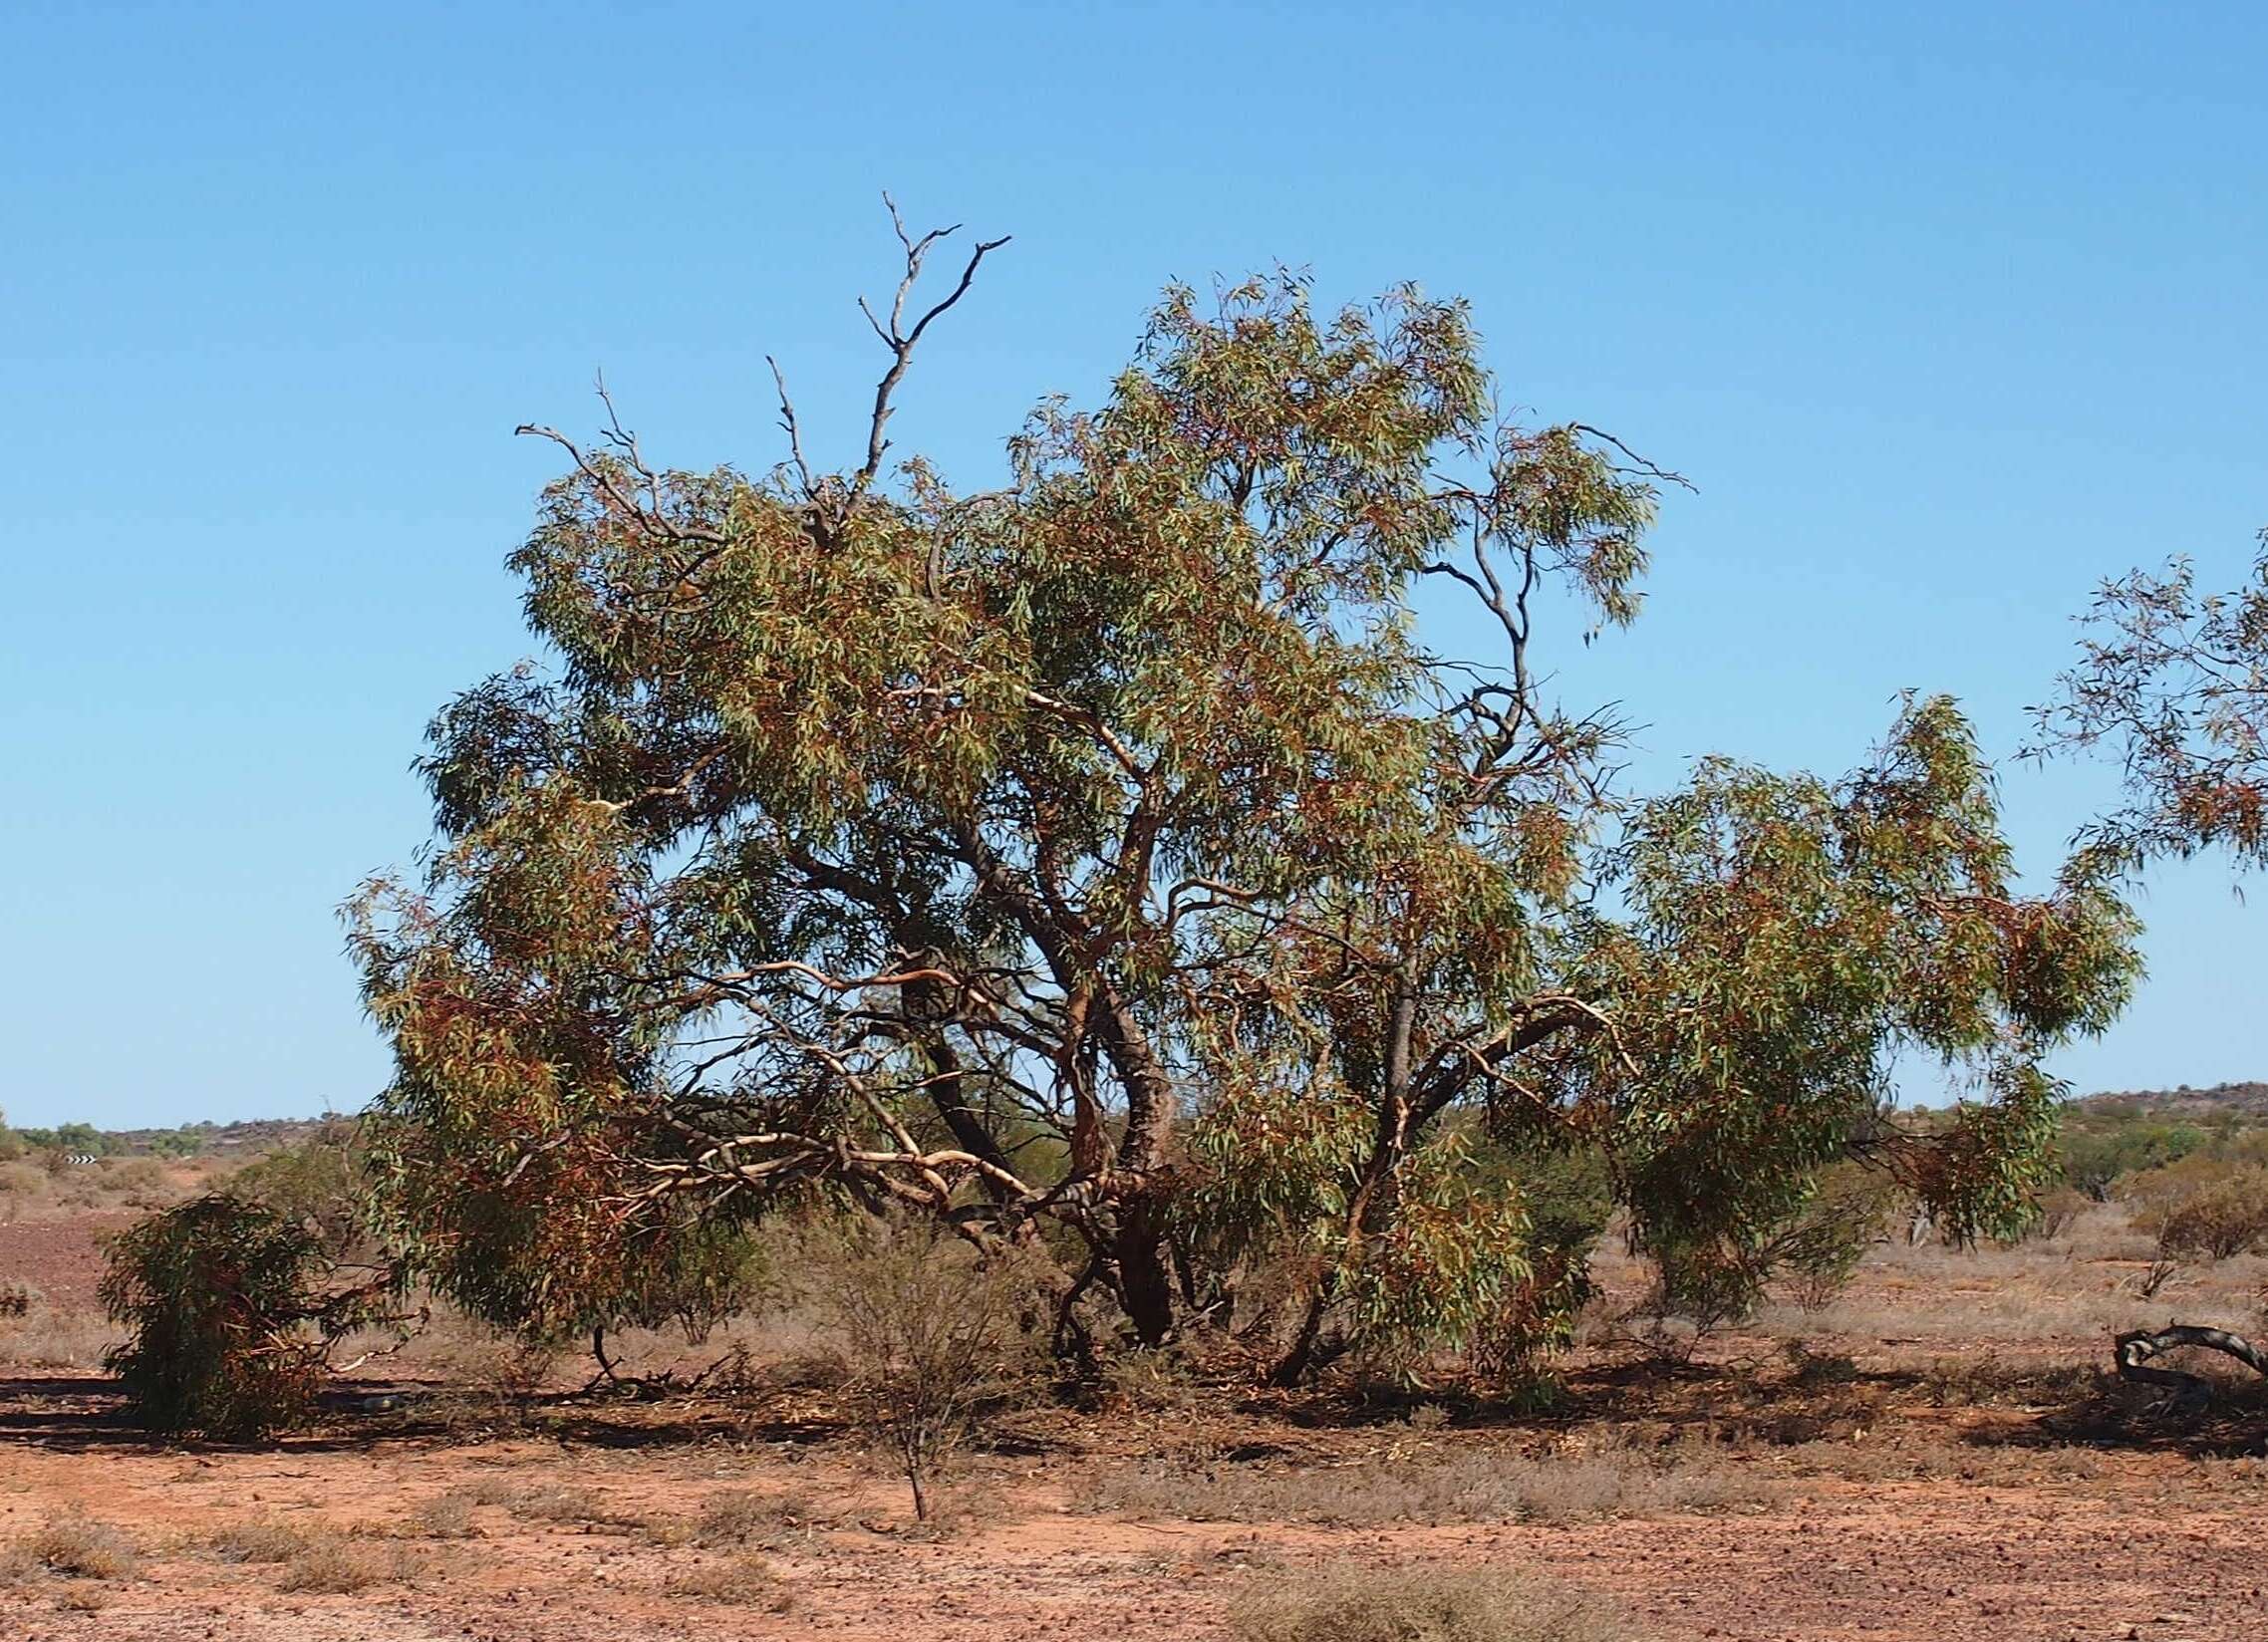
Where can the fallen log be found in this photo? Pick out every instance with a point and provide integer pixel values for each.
(2132, 1351)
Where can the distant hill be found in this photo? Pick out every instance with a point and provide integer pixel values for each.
(2223, 1100)
(248, 1139)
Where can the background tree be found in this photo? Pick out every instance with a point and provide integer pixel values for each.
(1109, 859)
(2174, 683)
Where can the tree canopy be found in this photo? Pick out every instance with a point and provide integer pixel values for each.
(1115, 858)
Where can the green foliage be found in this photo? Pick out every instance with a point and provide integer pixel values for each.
(2094, 1160)
(322, 1183)
(2174, 682)
(231, 1318)
(69, 1138)
(176, 1143)
(1114, 849)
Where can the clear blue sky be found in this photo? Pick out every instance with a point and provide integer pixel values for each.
(1948, 311)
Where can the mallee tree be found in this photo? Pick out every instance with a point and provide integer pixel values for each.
(1114, 861)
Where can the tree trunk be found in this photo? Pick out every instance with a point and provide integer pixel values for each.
(1291, 1368)
(1145, 1280)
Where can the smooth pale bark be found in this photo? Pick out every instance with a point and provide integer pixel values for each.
(2132, 1351)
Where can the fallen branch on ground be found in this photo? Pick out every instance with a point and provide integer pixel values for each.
(2131, 1352)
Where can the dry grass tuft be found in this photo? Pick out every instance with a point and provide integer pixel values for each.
(77, 1549)
(330, 1569)
(329, 1564)
(48, 1338)
(572, 1505)
(316, 1560)
(266, 1539)
(1423, 1605)
(446, 1517)
(740, 1518)
(743, 1580)
(1470, 1487)
(530, 1502)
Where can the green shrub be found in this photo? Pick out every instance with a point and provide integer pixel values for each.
(322, 1183)
(176, 1143)
(230, 1314)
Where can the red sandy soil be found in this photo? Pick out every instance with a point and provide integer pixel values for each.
(2148, 1545)
(61, 1258)
(1884, 1508)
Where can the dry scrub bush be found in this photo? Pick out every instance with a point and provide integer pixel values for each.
(931, 1333)
(21, 1190)
(743, 1580)
(1435, 1604)
(1153, 1382)
(1470, 1487)
(2060, 1210)
(738, 1518)
(2199, 1209)
(312, 1561)
(2220, 1220)
(75, 1547)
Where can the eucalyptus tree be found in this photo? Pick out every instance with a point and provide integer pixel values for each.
(1114, 858)
(2174, 682)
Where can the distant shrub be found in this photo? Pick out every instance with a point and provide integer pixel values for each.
(232, 1317)
(69, 1139)
(176, 1143)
